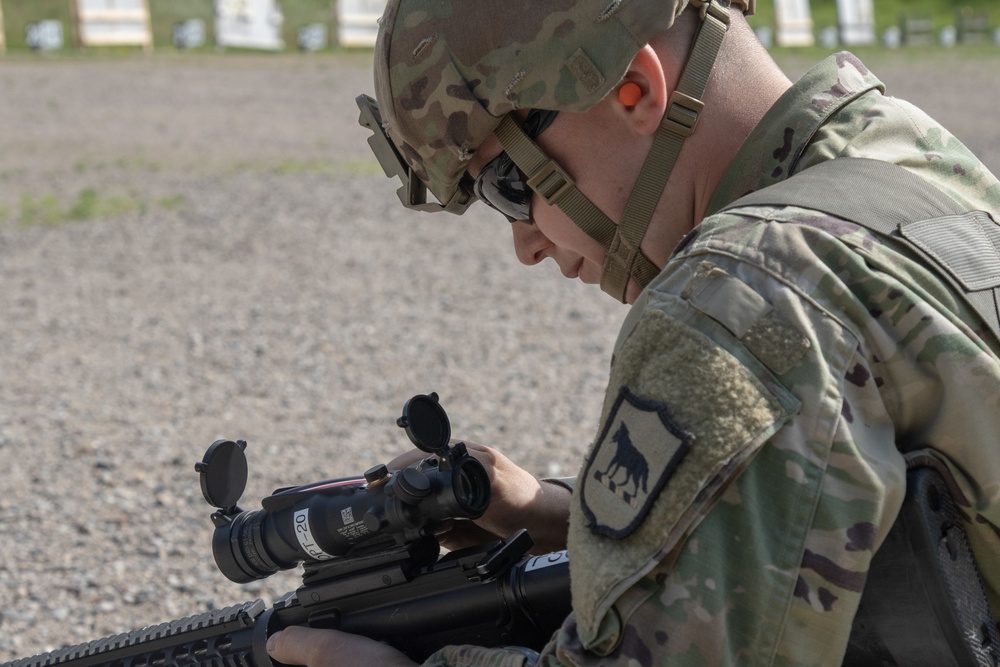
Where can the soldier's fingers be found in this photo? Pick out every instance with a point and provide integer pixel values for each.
(486, 455)
(298, 645)
(461, 534)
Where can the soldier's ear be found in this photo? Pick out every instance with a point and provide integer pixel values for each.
(640, 98)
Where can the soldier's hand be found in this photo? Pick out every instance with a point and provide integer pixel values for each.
(519, 500)
(297, 645)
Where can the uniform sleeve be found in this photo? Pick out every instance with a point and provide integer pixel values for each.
(744, 474)
(755, 549)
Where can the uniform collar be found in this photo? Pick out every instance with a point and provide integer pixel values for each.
(772, 150)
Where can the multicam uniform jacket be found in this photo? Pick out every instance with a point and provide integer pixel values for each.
(766, 395)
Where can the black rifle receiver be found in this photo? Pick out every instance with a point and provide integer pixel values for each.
(371, 564)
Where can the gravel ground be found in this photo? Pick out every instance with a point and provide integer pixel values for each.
(201, 247)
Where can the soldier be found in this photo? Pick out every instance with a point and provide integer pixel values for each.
(784, 360)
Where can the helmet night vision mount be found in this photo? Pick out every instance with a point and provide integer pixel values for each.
(413, 192)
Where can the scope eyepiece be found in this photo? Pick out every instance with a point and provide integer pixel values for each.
(471, 487)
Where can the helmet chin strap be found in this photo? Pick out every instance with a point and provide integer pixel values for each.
(624, 259)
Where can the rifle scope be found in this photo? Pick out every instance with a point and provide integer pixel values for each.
(317, 523)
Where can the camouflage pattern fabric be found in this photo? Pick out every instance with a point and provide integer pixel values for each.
(442, 87)
(831, 358)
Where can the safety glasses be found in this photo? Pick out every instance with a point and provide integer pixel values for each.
(504, 187)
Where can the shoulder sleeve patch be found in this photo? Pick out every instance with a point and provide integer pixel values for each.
(681, 419)
(638, 450)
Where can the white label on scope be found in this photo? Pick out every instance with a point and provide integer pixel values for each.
(305, 537)
(548, 560)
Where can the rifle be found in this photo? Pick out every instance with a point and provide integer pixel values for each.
(371, 564)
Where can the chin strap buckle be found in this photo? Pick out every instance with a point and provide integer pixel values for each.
(551, 183)
(682, 115)
(715, 9)
(749, 7)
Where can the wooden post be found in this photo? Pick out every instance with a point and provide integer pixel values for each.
(3, 42)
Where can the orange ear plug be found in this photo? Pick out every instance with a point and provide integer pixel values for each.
(629, 94)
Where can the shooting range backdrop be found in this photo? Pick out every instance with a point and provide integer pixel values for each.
(184, 24)
(313, 25)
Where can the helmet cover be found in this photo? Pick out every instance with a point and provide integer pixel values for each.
(447, 71)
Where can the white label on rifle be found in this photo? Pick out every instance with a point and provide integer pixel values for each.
(305, 537)
(548, 560)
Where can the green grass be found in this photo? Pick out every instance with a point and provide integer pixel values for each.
(17, 14)
(45, 209)
(127, 163)
(163, 14)
(887, 12)
(89, 204)
(295, 166)
(171, 203)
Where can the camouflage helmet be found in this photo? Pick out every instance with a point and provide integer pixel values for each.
(447, 71)
(448, 74)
